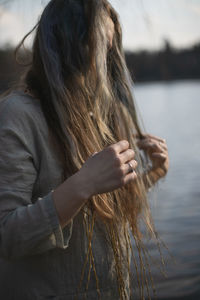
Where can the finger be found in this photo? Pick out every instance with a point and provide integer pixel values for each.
(94, 154)
(156, 138)
(126, 156)
(163, 146)
(159, 155)
(130, 166)
(147, 140)
(130, 177)
(120, 146)
(150, 146)
(152, 140)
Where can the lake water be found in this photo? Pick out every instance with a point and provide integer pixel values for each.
(172, 111)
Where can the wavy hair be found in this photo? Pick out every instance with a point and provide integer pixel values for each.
(86, 95)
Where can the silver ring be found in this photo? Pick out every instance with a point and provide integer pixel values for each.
(131, 169)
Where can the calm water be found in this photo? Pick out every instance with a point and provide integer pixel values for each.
(172, 111)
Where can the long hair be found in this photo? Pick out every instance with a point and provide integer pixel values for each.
(86, 95)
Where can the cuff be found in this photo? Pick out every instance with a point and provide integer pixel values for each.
(62, 236)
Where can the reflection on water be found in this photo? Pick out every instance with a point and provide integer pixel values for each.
(172, 111)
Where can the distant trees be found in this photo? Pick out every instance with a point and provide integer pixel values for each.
(9, 69)
(166, 64)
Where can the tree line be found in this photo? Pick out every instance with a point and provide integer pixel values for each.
(165, 64)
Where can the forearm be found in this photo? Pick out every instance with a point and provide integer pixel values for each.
(70, 197)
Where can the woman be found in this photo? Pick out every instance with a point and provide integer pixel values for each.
(73, 182)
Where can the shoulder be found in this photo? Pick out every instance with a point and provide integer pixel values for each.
(23, 125)
(18, 103)
(21, 110)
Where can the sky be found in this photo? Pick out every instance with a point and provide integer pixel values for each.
(145, 23)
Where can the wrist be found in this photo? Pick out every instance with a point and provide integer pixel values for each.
(83, 186)
(70, 197)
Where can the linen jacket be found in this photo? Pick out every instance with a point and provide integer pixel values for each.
(39, 259)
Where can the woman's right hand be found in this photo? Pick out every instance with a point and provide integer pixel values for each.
(102, 172)
(109, 169)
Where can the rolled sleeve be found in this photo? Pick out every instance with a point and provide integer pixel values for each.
(61, 236)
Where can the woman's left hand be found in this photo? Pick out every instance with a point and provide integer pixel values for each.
(156, 148)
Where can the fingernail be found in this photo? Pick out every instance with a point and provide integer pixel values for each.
(94, 153)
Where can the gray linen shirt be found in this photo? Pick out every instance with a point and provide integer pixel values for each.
(38, 259)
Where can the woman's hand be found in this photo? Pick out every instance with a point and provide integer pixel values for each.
(109, 169)
(103, 172)
(156, 148)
